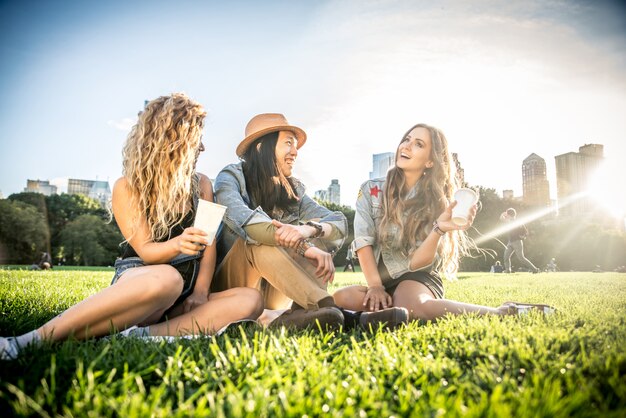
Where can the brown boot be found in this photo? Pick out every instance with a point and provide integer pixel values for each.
(389, 318)
(324, 318)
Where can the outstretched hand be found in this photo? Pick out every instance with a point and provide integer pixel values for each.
(445, 219)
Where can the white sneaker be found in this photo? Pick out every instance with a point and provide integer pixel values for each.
(9, 349)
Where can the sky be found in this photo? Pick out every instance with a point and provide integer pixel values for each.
(501, 79)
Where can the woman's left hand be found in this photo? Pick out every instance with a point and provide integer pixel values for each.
(197, 298)
(445, 219)
(287, 235)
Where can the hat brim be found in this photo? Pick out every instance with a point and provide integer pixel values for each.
(243, 145)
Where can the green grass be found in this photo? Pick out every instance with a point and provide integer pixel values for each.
(569, 364)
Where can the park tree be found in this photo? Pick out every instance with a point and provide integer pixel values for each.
(89, 241)
(23, 232)
(38, 201)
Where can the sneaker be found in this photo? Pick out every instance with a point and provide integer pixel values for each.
(324, 318)
(9, 349)
(389, 318)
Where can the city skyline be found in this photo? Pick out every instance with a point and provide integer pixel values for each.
(501, 79)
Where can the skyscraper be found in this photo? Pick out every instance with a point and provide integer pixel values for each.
(381, 163)
(40, 186)
(332, 194)
(536, 190)
(573, 171)
(95, 189)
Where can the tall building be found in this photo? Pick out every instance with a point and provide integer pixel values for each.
(332, 194)
(321, 195)
(536, 190)
(95, 189)
(381, 163)
(460, 173)
(573, 171)
(40, 186)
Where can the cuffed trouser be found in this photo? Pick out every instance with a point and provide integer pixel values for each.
(287, 276)
(516, 247)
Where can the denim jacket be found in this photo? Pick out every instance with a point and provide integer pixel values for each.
(230, 191)
(369, 213)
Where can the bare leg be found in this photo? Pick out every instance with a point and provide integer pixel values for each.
(422, 304)
(351, 297)
(221, 309)
(141, 292)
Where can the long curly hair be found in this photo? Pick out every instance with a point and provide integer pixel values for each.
(414, 217)
(159, 161)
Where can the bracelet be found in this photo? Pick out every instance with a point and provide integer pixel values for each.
(303, 245)
(319, 230)
(438, 230)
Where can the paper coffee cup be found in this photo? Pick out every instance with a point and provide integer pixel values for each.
(208, 218)
(466, 198)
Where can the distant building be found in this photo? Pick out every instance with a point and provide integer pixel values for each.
(332, 194)
(536, 190)
(460, 173)
(573, 171)
(95, 189)
(321, 195)
(508, 194)
(40, 186)
(381, 163)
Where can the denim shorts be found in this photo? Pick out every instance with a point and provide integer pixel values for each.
(431, 280)
(187, 265)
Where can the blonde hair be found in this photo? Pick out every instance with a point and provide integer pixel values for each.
(159, 162)
(415, 216)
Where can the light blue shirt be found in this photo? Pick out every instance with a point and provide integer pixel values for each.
(231, 191)
(369, 213)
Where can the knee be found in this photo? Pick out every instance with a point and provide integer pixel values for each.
(341, 298)
(165, 282)
(249, 302)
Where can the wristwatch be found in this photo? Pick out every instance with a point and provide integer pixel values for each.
(319, 231)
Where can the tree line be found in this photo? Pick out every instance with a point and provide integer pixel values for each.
(73, 229)
(76, 230)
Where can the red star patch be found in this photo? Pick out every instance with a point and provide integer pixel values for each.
(374, 191)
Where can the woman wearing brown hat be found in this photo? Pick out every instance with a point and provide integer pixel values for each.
(276, 238)
(162, 280)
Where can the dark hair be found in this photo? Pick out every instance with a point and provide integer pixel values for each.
(511, 212)
(266, 185)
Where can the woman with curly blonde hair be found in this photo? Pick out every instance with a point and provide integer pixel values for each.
(405, 238)
(162, 280)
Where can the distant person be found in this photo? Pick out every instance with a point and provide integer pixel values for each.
(497, 267)
(44, 263)
(405, 239)
(516, 233)
(276, 238)
(162, 282)
(551, 266)
(349, 261)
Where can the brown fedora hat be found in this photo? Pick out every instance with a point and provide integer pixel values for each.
(264, 124)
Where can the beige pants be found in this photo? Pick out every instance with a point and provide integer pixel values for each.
(279, 273)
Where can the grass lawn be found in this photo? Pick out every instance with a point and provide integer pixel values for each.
(572, 363)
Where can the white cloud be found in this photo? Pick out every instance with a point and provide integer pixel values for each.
(123, 125)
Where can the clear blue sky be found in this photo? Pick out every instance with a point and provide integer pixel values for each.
(502, 79)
